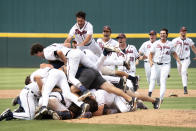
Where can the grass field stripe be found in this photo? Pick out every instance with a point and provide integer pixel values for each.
(97, 35)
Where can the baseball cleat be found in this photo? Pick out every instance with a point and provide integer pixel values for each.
(86, 94)
(54, 115)
(6, 114)
(157, 103)
(43, 110)
(140, 105)
(185, 90)
(85, 108)
(109, 49)
(136, 83)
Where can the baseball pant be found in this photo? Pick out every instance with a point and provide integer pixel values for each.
(161, 71)
(58, 78)
(183, 70)
(28, 102)
(74, 58)
(148, 72)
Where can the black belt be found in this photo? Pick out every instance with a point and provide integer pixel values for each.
(161, 63)
(31, 91)
(146, 61)
(67, 52)
(184, 58)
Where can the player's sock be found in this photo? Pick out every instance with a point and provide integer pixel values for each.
(64, 115)
(82, 89)
(132, 78)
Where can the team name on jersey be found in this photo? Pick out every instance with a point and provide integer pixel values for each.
(149, 46)
(80, 32)
(163, 47)
(180, 43)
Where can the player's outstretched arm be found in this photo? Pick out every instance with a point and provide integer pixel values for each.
(176, 57)
(86, 41)
(68, 40)
(62, 56)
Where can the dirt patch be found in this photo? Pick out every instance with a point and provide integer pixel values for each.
(156, 92)
(9, 93)
(173, 118)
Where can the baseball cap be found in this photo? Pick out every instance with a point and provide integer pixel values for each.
(106, 27)
(152, 32)
(183, 28)
(121, 35)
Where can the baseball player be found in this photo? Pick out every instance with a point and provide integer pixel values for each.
(106, 40)
(144, 52)
(83, 31)
(71, 57)
(182, 45)
(49, 78)
(129, 53)
(110, 100)
(28, 97)
(159, 60)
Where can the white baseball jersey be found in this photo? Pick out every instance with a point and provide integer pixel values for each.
(145, 48)
(40, 72)
(129, 54)
(81, 34)
(162, 51)
(111, 42)
(49, 52)
(182, 47)
(104, 98)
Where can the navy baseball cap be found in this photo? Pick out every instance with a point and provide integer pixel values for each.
(183, 28)
(106, 27)
(121, 36)
(152, 32)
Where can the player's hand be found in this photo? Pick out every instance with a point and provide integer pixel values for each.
(151, 63)
(194, 58)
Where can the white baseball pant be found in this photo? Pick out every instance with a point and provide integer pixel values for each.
(58, 78)
(163, 72)
(28, 102)
(74, 58)
(183, 70)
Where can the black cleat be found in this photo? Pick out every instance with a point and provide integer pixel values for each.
(85, 108)
(43, 111)
(136, 83)
(185, 90)
(156, 104)
(140, 105)
(6, 114)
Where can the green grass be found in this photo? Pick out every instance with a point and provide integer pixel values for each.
(50, 125)
(13, 78)
(187, 103)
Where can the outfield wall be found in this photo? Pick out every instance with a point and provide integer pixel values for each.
(58, 16)
(15, 52)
